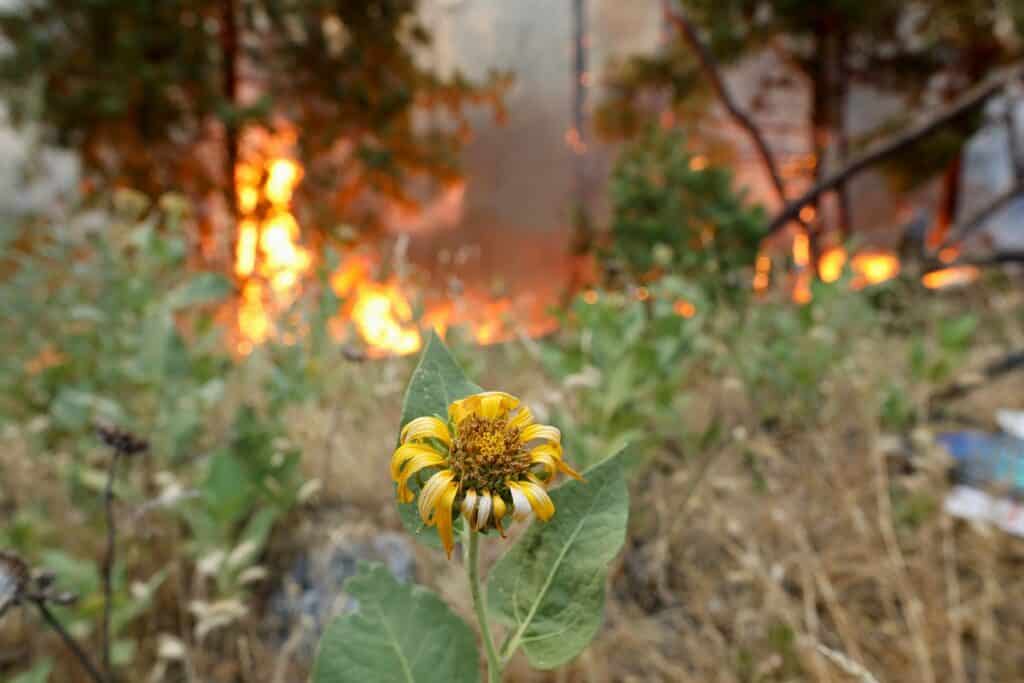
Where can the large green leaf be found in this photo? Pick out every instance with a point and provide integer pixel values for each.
(549, 588)
(435, 383)
(400, 633)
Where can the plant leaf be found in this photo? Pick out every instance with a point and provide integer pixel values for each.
(435, 383)
(401, 633)
(202, 288)
(549, 588)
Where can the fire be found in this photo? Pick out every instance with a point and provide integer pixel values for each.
(380, 312)
(801, 249)
(268, 255)
(950, 277)
(831, 264)
(802, 287)
(762, 272)
(873, 267)
(949, 254)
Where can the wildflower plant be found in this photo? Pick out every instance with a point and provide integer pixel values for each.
(472, 464)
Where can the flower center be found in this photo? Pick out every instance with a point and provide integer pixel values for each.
(487, 452)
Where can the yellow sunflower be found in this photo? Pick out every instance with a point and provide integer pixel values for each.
(489, 459)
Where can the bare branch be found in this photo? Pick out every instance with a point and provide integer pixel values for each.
(709, 65)
(981, 216)
(887, 148)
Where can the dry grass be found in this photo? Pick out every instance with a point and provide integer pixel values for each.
(811, 553)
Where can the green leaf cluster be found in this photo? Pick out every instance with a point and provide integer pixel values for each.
(669, 214)
(548, 588)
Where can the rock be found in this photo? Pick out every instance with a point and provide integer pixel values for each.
(311, 593)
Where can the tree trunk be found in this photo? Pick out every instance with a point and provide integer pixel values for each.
(819, 123)
(842, 139)
(229, 66)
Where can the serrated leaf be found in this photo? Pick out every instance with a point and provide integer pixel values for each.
(549, 588)
(435, 383)
(401, 633)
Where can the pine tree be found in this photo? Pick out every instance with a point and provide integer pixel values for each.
(156, 94)
(925, 52)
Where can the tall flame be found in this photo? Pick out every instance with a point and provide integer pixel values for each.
(268, 255)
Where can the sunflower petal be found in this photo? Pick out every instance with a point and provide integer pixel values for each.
(522, 419)
(431, 494)
(555, 453)
(411, 467)
(483, 511)
(547, 462)
(425, 428)
(499, 510)
(521, 508)
(443, 517)
(495, 404)
(564, 468)
(463, 408)
(469, 506)
(545, 432)
(407, 452)
(539, 499)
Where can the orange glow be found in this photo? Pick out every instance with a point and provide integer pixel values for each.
(801, 249)
(949, 254)
(267, 251)
(698, 163)
(643, 294)
(802, 287)
(807, 214)
(831, 264)
(950, 277)
(383, 317)
(684, 308)
(874, 267)
(762, 272)
(590, 296)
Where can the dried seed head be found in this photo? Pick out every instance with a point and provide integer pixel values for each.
(121, 440)
(13, 580)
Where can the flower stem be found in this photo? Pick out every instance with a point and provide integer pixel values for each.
(472, 558)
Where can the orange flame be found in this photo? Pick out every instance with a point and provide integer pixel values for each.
(801, 249)
(762, 272)
(267, 251)
(950, 277)
(949, 254)
(802, 287)
(873, 267)
(831, 264)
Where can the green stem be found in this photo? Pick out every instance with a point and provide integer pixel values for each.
(471, 545)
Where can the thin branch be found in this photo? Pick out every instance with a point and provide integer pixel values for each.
(709, 65)
(69, 640)
(899, 142)
(994, 370)
(983, 214)
(109, 558)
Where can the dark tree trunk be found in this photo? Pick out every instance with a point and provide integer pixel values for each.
(229, 66)
(820, 120)
(842, 139)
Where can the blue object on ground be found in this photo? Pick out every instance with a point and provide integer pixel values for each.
(985, 459)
